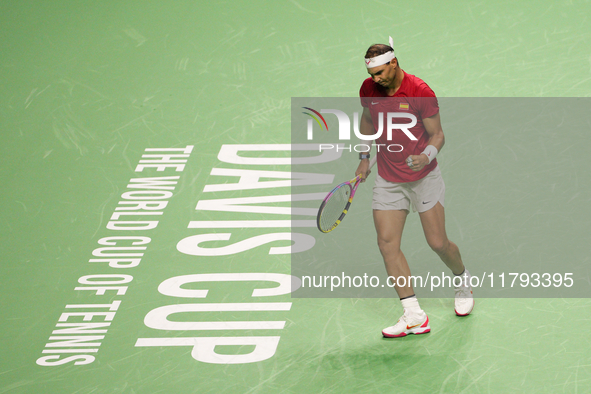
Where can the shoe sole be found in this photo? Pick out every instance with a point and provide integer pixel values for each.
(423, 329)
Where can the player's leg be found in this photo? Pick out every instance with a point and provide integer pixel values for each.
(389, 225)
(433, 222)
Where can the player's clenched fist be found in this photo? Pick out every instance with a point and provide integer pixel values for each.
(417, 162)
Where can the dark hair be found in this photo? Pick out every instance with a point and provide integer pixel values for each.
(377, 50)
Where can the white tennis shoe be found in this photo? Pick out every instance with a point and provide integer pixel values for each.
(408, 324)
(464, 300)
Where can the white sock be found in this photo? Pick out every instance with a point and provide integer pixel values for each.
(465, 278)
(411, 305)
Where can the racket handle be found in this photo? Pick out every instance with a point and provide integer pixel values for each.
(372, 162)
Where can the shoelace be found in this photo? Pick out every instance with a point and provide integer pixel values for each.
(407, 318)
(462, 292)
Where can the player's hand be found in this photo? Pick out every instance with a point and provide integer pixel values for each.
(363, 169)
(417, 162)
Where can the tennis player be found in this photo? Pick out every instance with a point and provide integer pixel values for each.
(408, 177)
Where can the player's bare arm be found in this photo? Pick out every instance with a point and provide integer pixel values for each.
(365, 128)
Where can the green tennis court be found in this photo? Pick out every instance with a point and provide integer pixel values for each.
(134, 260)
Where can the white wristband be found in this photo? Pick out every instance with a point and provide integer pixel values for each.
(430, 151)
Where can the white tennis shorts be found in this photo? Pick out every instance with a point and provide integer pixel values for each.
(422, 195)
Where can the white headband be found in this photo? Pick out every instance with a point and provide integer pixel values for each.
(381, 59)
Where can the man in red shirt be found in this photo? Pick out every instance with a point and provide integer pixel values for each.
(408, 175)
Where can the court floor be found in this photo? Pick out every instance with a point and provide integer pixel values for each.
(135, 261)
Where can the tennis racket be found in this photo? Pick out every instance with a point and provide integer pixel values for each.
(336, 204)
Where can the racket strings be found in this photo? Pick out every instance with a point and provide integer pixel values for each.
(333, 209)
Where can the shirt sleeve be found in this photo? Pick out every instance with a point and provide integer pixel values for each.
(428, 104)
(365, 93)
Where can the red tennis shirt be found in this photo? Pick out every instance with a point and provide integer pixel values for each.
(414, 97)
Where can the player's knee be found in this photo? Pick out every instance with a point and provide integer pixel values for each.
(388, 246)
(439, 246)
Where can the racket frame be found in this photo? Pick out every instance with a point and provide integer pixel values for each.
(352, 190)
(355, 182)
